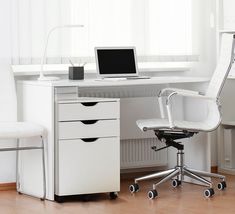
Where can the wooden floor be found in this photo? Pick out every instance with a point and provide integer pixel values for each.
(185, 199)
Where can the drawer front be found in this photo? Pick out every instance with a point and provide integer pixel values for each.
(89, 129)
(88, 167)
(88, 111)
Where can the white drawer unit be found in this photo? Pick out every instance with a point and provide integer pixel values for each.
(87, 149)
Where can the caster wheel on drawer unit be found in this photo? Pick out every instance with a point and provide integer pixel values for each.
(134, 188)
(152, 194)
(222, 185)
(113, 195)
(209, 192)
(59, 199)
(175, 183)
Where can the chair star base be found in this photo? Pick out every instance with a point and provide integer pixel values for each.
(177, 175)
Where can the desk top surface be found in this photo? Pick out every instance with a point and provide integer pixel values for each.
(113, 83)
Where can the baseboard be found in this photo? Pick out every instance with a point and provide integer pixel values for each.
(226, 171)
(7, 186)
(214, 169)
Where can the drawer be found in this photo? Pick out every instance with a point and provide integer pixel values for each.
(89, 129)
(88, 167)
(88, 111)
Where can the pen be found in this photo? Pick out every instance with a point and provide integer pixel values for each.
(71, 62)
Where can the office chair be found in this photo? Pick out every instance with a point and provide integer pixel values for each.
(168, 130)
(9, 129)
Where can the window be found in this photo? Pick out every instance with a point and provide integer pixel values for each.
(160, 29)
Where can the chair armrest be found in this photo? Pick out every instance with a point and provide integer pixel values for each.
(179, 92)
(187, 93)
(164, 91)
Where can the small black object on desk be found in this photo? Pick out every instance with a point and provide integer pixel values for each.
(76, 73)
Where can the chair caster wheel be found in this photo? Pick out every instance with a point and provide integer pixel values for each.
(134, 188)
(222, 185)
(42, 199)
(113, 195)
(209, 192)
(152, 194)
(175, 183)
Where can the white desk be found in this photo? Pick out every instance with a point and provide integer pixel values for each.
(58, 69)
(119, 83)
(36, 102)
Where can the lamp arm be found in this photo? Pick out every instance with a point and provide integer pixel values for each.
(45, 50)
(46, 44)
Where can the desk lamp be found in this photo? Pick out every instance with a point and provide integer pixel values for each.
(42, 77)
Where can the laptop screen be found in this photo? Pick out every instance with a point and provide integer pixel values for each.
(116, 62)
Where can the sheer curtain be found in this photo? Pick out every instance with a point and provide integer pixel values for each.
(161, 30)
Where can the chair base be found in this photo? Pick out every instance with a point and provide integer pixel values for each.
(177, 175)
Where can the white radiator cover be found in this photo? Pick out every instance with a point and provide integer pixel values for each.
(137, 153)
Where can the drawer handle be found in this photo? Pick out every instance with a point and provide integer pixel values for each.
(89, 122)
(89, 104)
(89, 140)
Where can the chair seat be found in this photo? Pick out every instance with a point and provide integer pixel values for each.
(20, 130)
(163, 124)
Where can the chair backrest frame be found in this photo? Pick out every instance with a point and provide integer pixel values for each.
(223, 67)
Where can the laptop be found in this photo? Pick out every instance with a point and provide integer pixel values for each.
(117, 62)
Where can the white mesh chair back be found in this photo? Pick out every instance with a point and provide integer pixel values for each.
(218, 79)
(223, 66)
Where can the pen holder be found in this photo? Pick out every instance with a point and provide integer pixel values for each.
(76, 73)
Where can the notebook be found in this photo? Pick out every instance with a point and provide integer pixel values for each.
(117, 62)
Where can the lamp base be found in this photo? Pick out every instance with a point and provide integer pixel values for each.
(43, 78)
